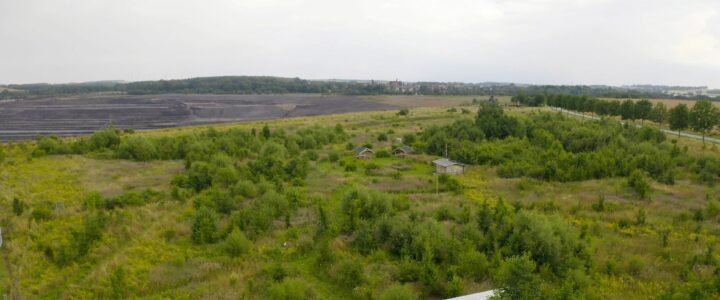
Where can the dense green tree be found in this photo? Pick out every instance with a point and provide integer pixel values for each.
(204, 226)
(643, 110)
(704, 117)
(679, 118)
(493, 122)
(659, 113)
(627, 110)
(517, 279)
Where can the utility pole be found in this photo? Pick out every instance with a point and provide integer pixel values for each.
(446, 150)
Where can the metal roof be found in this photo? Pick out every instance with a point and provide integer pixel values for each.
(444, 162)
(406, 149)
(359, 150)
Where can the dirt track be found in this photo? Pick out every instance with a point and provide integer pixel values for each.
(22, 120)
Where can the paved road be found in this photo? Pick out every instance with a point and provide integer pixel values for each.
(685, 134)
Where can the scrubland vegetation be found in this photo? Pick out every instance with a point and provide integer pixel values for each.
(551, 207)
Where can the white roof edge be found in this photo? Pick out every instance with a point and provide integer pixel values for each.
(477, 296)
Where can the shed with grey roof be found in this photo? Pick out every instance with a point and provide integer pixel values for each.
(402, 151)
(446, 166)
(363, 152)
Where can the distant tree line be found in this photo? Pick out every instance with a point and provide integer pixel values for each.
(279, 85)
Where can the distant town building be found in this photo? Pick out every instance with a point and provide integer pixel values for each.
(363, 152)
(446, 166)
(403, 151)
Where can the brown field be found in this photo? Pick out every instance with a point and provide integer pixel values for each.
(22, 120)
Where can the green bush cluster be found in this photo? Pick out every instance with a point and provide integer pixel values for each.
(556, 148)
(482, 238)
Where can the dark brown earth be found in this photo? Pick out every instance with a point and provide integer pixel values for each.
(22, 120)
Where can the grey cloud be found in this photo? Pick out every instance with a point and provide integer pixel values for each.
(534, 41)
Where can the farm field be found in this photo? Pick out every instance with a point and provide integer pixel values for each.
(22, 120)
(98, 224)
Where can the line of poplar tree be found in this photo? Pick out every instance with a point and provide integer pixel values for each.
(703, 117)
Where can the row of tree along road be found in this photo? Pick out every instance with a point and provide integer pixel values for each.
(703, 117)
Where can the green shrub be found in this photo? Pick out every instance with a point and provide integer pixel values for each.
(199, 176)
(382, 154)
(408, 139)
(291, 289)
(246, 188)
(382, 137)
(398, 292)
(473, 264)
(348, 273)
(640, 217)
(204, 226)
(236, 244)
(635, 265)
(639, 183)
(450, 184)
(137, 148)
(42, 212)
(599, 206)
(333, 156)
(18, 206)
(106, 138)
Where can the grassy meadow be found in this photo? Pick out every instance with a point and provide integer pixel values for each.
(638, 248)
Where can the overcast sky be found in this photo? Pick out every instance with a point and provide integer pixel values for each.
(528, 41)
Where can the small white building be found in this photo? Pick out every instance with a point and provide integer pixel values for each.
(446, 166)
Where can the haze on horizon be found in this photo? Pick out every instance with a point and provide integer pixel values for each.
(610, 42)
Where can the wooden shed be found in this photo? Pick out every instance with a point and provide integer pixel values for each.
(403, 151)
(363, 152)
(446, 166)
